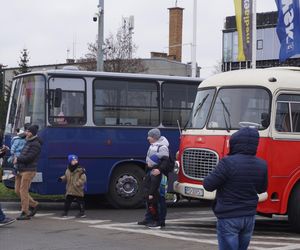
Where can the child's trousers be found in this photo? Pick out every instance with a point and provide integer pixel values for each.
(70, 198)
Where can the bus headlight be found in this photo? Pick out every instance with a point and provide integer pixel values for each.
(176, 167)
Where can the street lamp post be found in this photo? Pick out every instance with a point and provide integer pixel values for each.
(194, 44)
(100, 35)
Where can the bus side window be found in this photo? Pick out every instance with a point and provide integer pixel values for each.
(295, 107)
(282, 123)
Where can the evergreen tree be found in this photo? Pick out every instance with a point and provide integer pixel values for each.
(23, 63)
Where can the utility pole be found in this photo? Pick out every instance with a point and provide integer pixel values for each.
(254, 35)
(194, 44)
(100, 35)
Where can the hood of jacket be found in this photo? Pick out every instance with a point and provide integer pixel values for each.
(162, 141)
(244, 141)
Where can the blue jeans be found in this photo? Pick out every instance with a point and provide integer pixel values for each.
(2, 216)
(162, 208)
(235, 233)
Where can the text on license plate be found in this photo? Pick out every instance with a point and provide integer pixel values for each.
(193, 191)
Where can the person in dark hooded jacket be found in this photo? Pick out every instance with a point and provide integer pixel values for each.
(238, 179)
(26, 164)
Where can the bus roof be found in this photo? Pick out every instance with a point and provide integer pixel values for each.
(271, 78)
(77, 73)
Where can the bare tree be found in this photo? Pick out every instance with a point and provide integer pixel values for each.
(118, 53)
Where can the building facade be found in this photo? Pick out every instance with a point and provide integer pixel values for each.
(267, 44)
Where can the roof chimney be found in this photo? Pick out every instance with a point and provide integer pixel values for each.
(175, 32)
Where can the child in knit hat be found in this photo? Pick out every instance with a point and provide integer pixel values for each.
(151, 191)
(75, 179)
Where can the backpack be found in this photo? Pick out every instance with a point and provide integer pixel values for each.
(171, 165)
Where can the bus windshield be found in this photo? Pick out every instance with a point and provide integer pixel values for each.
(234, 106)
(201, 108)
(27, 103)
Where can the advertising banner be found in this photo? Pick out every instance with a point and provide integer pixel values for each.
(243, 16)
(288, 28)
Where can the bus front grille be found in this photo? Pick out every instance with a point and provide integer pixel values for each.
(198, 163)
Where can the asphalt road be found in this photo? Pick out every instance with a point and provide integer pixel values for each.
(189, 226)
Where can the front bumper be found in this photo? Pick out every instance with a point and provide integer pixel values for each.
(193, 190)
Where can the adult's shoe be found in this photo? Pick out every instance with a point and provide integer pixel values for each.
(143, 222)
(33, 210)
(154, 225)
(163, 224)
(7, 221)
(24, 216)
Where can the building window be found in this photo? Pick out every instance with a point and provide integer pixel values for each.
(260, 44)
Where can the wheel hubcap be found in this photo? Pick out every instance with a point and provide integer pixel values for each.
(127, 186)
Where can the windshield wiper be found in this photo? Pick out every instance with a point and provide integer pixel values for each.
(228, 113)
(200, 105)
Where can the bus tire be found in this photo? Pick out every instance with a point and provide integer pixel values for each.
(294, 208)
(125, 188)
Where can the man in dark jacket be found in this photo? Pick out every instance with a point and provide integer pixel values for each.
(238, 178)
(27, 164)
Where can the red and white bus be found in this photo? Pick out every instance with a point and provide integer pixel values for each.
(266, 98)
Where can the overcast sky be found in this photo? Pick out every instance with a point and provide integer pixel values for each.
(48, 28)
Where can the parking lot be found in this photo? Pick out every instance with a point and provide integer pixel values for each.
(189, 226)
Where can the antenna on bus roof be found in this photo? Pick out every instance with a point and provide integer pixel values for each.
(178, 124)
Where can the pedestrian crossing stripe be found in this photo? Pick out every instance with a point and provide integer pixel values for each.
(93, 221)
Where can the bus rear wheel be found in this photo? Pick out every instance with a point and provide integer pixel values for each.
(294, 209)
(125, 189)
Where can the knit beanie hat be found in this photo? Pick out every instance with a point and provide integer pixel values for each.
(33, 129)
(154, 160)
(72, 157)
(154, 133)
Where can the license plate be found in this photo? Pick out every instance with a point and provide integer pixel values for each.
(191, 191)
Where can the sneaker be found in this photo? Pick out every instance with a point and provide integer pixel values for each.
(64, 214)
(154, 225)
(81, 215)
(33, 210)
(7, 221)
(163, 224)
(23, 216)
(143, 222)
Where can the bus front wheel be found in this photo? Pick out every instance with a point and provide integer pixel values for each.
(125, 189)
(294, 209)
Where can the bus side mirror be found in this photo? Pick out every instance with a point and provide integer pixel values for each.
(265, 120)
(57, 97)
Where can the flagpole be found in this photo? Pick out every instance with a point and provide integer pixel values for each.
(254, 34)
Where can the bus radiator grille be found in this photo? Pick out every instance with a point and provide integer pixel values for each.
(198, 163)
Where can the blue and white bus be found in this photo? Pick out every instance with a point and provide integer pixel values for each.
(103, 118)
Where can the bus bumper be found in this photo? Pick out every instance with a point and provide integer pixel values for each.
(193, 191)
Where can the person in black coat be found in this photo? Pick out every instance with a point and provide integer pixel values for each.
(238, 179)
(151, 186)
(4, 220)
(26, 169)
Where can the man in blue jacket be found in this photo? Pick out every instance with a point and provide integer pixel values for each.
(238, 178)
